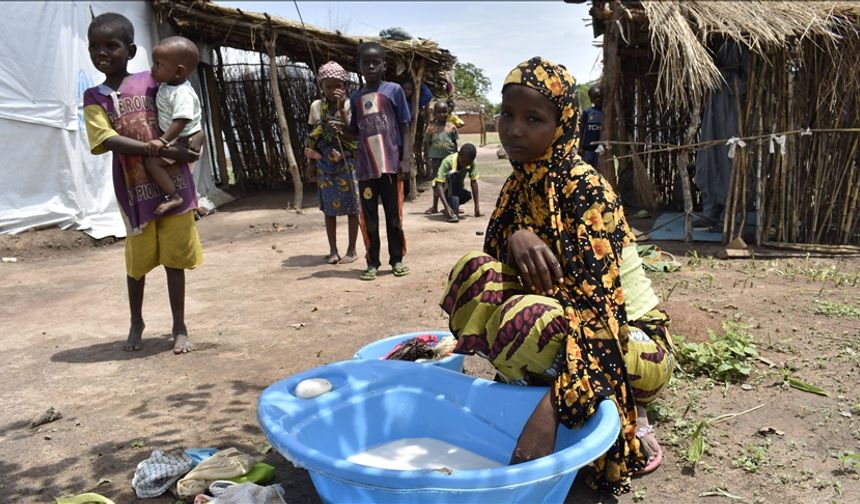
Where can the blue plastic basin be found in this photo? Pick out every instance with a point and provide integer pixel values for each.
(374, 402)
(380, 348)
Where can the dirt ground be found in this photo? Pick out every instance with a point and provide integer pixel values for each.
(265, 305)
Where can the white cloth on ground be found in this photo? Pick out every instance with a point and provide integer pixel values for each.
(153, 476)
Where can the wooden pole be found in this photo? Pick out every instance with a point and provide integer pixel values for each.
(409, 144)
(215, 110)
(483, 141)
(610, 83)
(282, 122)
(685, 178)
(230, 137)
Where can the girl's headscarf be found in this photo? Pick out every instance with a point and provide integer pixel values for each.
(554, 82)
(575, 212)
(332, 70)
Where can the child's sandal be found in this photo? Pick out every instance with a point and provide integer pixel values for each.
(400, 269)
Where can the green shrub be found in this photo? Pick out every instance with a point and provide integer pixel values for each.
(726, 357)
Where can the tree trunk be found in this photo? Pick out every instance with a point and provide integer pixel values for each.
(409, 146)
(282, 122)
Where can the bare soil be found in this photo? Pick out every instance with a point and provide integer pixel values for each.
(265, 305)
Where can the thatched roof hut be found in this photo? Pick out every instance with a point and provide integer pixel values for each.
(800, 92)
(261, 152)
(217, 25)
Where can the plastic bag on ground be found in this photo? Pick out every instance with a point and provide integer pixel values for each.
(249, 493)
(225, 464)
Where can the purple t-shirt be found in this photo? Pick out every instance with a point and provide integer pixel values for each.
(133, 114)
(378, 115)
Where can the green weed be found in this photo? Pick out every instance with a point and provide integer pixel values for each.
(695, 260)
(836, 309)
(727, 357)
(818, 272)
(752, 458)
(848, 461)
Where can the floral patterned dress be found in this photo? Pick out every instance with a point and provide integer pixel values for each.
(338, 187)
(575, 212)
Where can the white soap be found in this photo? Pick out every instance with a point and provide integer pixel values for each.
(409, 454)
(312, 387)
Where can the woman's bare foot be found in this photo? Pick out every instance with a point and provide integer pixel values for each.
(650, 447)
(332, 258)
(181, 343)
(135, 337)
(173, 201)
(350, 257)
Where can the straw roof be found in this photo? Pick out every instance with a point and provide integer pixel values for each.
(467, 105)
(204, 21)
(680, 32)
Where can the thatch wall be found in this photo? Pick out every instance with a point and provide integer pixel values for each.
(659, 71)
(254, 138)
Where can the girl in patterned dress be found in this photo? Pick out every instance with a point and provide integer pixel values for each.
(335, 158)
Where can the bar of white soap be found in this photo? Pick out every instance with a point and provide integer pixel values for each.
(312, 387)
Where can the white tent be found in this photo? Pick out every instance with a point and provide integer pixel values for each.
(47, 175)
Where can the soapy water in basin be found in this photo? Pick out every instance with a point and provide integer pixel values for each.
(409, 454)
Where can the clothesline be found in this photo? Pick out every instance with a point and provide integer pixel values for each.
(732, 142)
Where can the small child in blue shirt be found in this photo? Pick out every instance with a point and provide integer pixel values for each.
(590, 125)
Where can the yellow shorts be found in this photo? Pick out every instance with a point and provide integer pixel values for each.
(170, 241)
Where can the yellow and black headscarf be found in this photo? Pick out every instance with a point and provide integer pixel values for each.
(576, 213)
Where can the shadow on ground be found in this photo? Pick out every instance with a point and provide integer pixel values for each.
(230, 413)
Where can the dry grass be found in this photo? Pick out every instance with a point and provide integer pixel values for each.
(680, 33)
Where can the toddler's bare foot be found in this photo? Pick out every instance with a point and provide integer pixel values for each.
(181, 343)
(174, 201)
(135, 337)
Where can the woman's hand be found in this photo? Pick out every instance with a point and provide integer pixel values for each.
(538, 436)
(539, 268)
(180, 154)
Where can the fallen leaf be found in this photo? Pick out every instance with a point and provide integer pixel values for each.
(764, 431)
(747, 386)
(721, 492)
(104, 481)
(298, 325)
(846, 414)
(314, 309)
(263, 448)
(795, 383)
(50, 415)
(697, 446)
